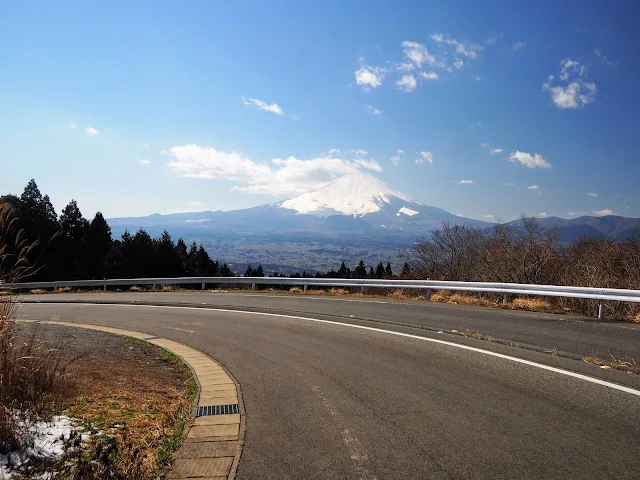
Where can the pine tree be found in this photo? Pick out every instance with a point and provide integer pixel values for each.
(343, 271)
(183, 256)
(73, 225)
(249, 271)
(372, 274)
(258, 272)
(100, 243)
(387, 271)
(406, 269)
(380, 270)
(361, 270)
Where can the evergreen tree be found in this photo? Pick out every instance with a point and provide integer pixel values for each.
(387, 271)
(406, 269)
(258, 272)
(100, 243)
(360, 271)
(141, 256)
(225, 271)
(249, 272)
(183, 256)
(372, 274)
(73, 248)
(169, 261)
(73, 225)
(343, 271)
(380, 270)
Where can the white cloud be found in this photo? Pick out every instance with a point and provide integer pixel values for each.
(573, 89)
(518, 45)
(424, 157)
(279, 177)
(575, 214)
(429, 75)
(273, 107)
(372, 110)
(405, 67)
(533, 187)
(334, 151)
(480, 78)
(593, 194)
(73, 125)
(143, 161)
(400, 152)
(488, 216)
(369, 77)
(484, 145)
(464, 182)
(395, 160)
(92, 132)
(295, 117)
(458, 64)
(407, 83)
(475, 125)
(603, 58)
(145, 145)
(602, 213)
(496, 151)
(417, 53)
(542, 214)
(528, 160)
(358, 152)
(494, 38)
(466, 49)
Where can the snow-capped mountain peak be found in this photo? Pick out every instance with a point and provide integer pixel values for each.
(354, 194)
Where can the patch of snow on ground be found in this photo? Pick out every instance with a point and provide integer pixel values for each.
(407, 211)
(44, 440)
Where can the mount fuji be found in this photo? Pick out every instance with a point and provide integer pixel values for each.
(354, 217)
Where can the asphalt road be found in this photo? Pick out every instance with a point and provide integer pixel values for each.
(325, 400)
(573, 335)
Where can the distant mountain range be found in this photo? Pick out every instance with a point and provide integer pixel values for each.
(356, 216)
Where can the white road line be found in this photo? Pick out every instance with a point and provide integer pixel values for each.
(316, 298)
(541, 366)
(181, 329)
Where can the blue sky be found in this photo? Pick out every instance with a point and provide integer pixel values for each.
(140, 107)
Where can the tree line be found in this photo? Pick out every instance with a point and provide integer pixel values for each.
(70, 247)
(530, 254)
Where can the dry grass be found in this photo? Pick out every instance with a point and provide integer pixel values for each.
(63, 290)
(625, 364)
(470, 300)
(636, 319)
(295, 290)
(38, 291)
(168, 288)
(398, 294)
(533, 304)
(338, 291)
(477, 335)
(440, 296)
(136, 288)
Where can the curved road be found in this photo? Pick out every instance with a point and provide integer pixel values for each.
(327, 400)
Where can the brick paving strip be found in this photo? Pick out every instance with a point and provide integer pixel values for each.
(213, 444)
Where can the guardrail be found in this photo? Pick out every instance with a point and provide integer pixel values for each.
(506, 289)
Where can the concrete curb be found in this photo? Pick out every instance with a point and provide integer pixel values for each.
(213, 443)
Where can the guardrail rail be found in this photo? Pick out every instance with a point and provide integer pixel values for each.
(506, 289)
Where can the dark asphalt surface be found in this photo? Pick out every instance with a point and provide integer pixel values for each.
(573, 335)
(329, 401)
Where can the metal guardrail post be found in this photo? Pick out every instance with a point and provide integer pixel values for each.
(202, 285)
(104, 286)
(253, 286)
(427, 295)
(305, 288)
(601, 309)
(362, 290)
(505, 299)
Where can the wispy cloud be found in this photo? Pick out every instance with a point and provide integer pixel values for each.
(429, 75)
(417, 54)
(369, 76)
(395, 160)
(466, 49)
(92, 132)
(603, 212)
(518, 45)
(372, 110)
(509, 184)
(278, 177)
(603, 58)
(533, 187)
(400, 152)
(407, 83)
(143, 161)
(572, 89)
(73, 125)
(484, 145)
(496, 151)
(144, 145)
(542, 214)
(528, 160)
(273, 107)
(295, 117)
(593, 194)
(488, 216)
(480, 78)
(575, 214)
(463, 182)
(476, 125)
(424, 157)
(494, 38)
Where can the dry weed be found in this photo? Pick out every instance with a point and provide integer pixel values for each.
(477, 335)
(469, 300)
(338, 291)
(135, 288)
(167, 288)
(38, 291)
(295, 290)
(440, 296)
(533, 304)
(398, 294)
(63, 290)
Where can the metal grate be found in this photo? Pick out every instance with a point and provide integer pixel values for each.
(204, 411)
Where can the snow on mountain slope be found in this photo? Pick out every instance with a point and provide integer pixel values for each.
(354, 194)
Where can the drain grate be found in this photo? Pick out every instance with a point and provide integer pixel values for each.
(217, 410)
